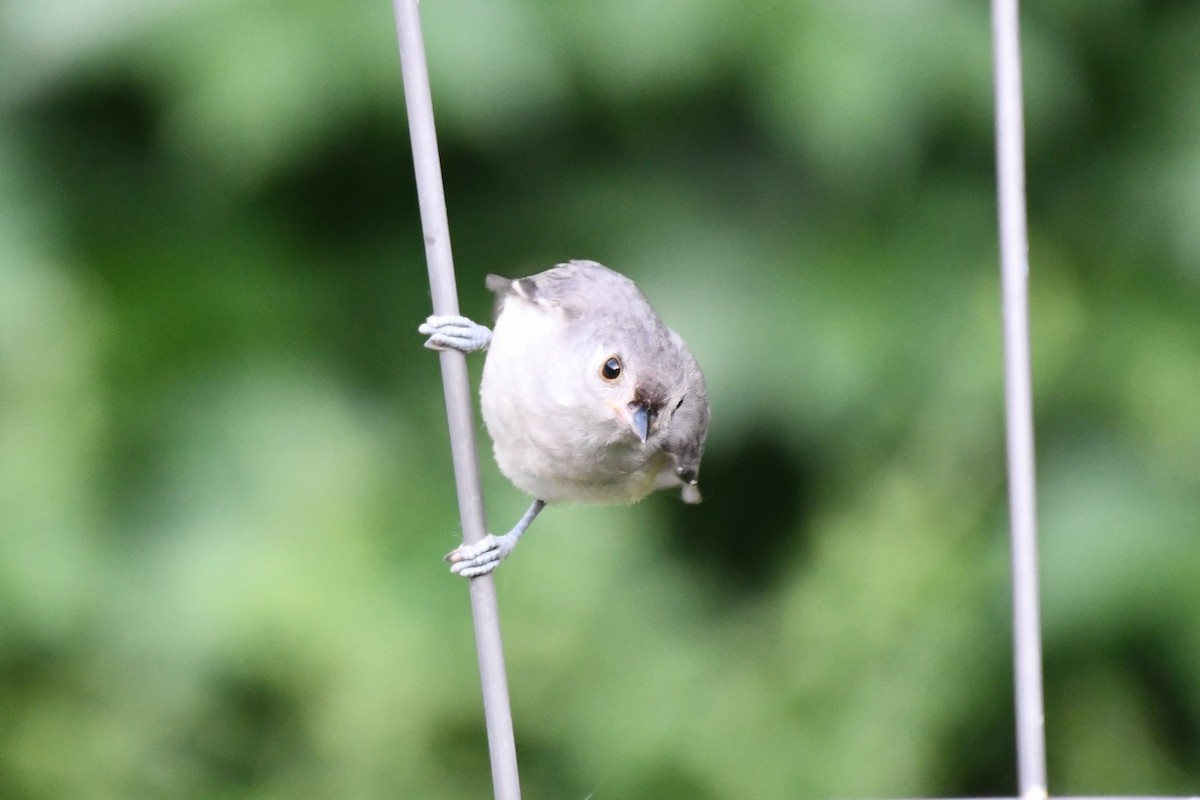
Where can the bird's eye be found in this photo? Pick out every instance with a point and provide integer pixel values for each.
(611, 370)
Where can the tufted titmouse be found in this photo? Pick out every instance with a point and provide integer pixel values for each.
(587, 395)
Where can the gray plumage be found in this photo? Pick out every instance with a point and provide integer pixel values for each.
(587, 395)
(560, 430)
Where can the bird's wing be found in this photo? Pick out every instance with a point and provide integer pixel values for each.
(569, 288)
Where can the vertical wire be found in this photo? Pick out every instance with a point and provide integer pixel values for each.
(456, 387)
(1014, 260)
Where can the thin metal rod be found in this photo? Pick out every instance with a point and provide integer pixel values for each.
(1018, 396)
(456, 386)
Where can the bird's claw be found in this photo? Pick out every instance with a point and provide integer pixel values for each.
(473, 560)
(454, 333)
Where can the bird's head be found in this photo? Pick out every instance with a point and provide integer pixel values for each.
(631, 394)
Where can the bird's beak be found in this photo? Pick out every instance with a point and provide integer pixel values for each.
(638, 416)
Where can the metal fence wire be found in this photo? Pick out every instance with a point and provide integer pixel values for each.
(1014, 264)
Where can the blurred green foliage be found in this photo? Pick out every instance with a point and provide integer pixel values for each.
(224, 476)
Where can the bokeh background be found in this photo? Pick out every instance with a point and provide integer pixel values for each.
(224, 477)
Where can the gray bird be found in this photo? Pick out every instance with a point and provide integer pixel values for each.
(587, 395)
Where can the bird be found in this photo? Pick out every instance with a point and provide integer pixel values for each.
(587, 395)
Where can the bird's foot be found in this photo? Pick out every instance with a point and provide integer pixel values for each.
(454, 333)
(473, 560)
(480, 558)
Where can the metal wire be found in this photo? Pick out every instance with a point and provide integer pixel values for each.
(1031, 748)
(456, 387)
(1018, 395)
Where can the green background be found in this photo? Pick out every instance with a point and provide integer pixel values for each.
(224, 477)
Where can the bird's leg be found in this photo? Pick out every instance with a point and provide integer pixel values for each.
(455, 333)
(480, 558)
